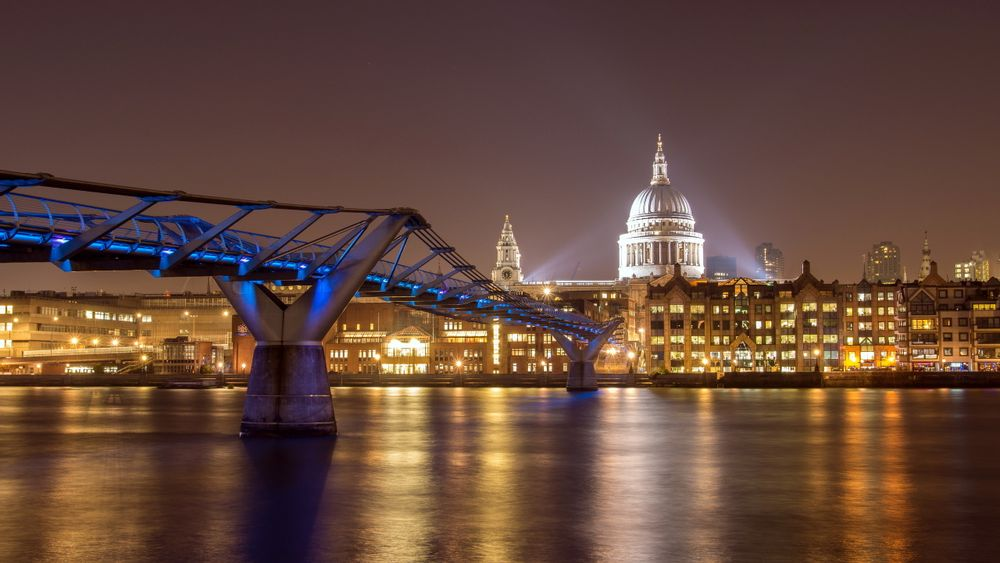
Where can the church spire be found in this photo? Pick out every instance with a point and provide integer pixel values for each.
(508, 267)
(925, 259)
(659, 165)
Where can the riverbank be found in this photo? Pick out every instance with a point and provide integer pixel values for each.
(804, 380)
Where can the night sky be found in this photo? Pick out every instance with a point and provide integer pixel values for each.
(822, 127)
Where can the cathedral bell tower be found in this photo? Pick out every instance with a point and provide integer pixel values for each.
(508, 267)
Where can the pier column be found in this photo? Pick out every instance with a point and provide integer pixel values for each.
(582, 354)
(288, 393)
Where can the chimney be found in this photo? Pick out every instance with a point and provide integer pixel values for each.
(805, 267)
(677, 270)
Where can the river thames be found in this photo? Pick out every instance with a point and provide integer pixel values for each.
(135, 474)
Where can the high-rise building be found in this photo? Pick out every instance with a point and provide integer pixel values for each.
(508, 267)
(720, 268)
(882, 263)
(976, 268)
(660, 230)
(770, 262)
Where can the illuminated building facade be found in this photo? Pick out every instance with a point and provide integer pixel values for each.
(977, 268)
(948, 325)
(869, 326)
(882, 263)
(660, 230)
(375, 337)
(769, 261)
(742, 324)
(56, 332)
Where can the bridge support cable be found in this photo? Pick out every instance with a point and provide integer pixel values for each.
(288, 392)
(581, 375)
(264, 255)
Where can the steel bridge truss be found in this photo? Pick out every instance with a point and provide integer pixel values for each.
(338, 252)
(77, 236)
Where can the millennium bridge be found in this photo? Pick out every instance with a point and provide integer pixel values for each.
(339, 252)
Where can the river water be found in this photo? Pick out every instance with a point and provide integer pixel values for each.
(130, 474)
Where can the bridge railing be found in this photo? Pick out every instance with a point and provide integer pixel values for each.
(32, 219)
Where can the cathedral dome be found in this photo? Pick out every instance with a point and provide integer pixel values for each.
(660, 230)
(660, 201)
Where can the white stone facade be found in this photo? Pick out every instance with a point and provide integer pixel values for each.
(660, 231)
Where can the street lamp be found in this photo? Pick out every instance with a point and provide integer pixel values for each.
(817, 356)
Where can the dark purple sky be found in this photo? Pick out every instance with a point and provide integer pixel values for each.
(823, 127)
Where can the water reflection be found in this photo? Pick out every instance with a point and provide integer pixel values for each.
(284, 489)
(504, 474)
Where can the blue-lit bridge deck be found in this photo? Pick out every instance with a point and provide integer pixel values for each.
(392, 253)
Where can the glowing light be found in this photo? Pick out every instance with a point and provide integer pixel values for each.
(74, 341)
(144, 357)
(225, 313)
(547, 291)
(95, 341)
(458, 363)
(114, 342)
(630, 355)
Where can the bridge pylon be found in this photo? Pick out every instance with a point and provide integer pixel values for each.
(288, 392)
(582, 354)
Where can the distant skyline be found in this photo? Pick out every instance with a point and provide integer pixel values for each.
(821, 128)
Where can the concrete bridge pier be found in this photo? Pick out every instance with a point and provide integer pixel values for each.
(582, 355)
(288, 393)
